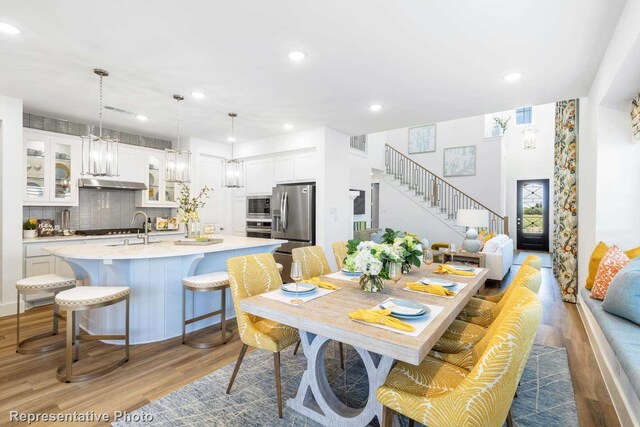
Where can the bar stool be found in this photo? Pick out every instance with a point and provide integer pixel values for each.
(218, 281)
(37, 285)
(84, 298)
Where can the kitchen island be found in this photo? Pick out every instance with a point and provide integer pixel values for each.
(154, 273)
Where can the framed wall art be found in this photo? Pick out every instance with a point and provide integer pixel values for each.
(422, 139)
(459, 161)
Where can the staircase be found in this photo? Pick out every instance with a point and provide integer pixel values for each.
(434, 194)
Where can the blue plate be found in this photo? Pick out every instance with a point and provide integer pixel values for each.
(303, 288)
(396, 306)
(351, 273)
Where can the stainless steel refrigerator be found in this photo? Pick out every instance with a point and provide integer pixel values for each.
(293, 218)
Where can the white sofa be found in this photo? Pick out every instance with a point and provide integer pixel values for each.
(498, 253)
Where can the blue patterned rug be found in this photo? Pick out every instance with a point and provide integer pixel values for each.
(545, 396)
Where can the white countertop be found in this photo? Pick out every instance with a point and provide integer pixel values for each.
(163, 249)
(172, 233)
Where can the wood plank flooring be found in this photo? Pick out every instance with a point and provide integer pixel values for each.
(28, 382)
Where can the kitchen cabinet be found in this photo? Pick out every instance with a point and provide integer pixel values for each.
(259, 175)
(297, 167)
(239, 222)
(284, 169)
(52, 164)
(159, 194)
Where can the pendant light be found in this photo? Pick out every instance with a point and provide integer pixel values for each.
(99, 154)
(529, 137)
(178, 161)
(233, 170)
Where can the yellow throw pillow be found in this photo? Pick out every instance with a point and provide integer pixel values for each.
(596, 257)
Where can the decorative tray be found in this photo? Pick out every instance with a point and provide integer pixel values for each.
(193, 242)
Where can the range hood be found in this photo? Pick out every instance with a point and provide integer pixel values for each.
(107, 184)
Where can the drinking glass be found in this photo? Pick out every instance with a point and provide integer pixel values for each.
(453, 247)
(296, 276)
(395, 273)
(428, 257)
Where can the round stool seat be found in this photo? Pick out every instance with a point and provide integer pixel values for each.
(44, 282)
(279, 266)
(214, 280)
(90, 295)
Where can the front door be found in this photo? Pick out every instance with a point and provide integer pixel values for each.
(533, 215)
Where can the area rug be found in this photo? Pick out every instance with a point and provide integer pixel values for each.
(545, 396)
(544, 257)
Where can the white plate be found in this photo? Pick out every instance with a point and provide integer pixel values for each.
(462, 268)
(441, 282)
(303, 288)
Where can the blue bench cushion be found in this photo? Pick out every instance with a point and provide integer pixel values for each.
(623, 295)
(623, 337)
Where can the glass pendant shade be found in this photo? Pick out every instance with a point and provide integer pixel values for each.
(100, 154)
(233, 173)
(177, 161)
(529, 137)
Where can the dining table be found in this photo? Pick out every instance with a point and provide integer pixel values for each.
(326, 318)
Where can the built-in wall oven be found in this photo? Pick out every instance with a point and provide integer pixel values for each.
(259, 207)
(259, 228)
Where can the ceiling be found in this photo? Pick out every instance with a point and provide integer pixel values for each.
(424, 61)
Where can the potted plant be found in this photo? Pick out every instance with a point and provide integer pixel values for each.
(188, 209)
(500, 125)
(372, 260)
(29, 228)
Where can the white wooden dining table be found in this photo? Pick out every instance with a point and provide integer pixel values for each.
(327, 318)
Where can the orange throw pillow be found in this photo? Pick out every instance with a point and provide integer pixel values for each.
(596, 257)
(611, 263)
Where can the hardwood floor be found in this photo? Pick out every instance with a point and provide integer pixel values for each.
(29, 384)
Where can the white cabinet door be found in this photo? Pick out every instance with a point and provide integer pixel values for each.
(267, 179)
(252, 176)
(239, 223)
(66, 153)
(209, 170)
(36, 162)
(62, 268)
(129, 161)
(304, 167)
(39, 265)
(283, 169)
(160, 194)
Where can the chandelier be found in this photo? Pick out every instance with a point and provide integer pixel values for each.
(233, 170)
(178, 162)
(99, 154)
(529, 137)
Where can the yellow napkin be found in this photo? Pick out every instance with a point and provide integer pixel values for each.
(447, 269)
(381, 317)
(430, 289)
(322, 284)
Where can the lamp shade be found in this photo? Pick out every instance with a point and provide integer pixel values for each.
(472, 217)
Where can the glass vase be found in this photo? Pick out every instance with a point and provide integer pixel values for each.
(192, 229)
(370, 283)
(406, 268)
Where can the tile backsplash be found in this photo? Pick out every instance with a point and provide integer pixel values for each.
(98, 209)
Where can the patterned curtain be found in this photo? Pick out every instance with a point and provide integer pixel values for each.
(565, 219)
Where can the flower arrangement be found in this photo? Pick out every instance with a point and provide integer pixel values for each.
(372, 260)
(30, 224)
(502, 121)
(407, 245)
(188, 206)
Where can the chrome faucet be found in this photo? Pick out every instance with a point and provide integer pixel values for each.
(146, 230)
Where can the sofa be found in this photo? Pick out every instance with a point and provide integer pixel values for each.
(498, 253)
(616, 344)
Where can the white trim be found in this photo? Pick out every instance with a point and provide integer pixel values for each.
(623, 396)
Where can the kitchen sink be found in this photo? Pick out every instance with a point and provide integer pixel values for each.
(131, 244)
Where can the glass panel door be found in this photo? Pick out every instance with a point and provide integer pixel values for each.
(36, 169)
(62, 173)
(154, 179)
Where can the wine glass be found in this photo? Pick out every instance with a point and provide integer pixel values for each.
(296, 276)
(395, 273)
(428, 257)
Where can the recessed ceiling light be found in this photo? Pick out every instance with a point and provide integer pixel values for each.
(142, 117)
(375, 107)
(197, 95)
(8, 29)
(297, 56)
(288, 126)
(512, 77)
(231, 139)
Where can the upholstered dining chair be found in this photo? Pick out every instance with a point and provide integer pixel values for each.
(483, 310)
(339, 252)
(437, 393)
(252, 275)
(314, 264)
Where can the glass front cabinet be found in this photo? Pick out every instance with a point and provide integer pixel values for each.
(160, 193)
(51, 169)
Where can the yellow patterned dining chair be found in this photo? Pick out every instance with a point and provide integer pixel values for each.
(339, 252)
(314, 264)
(253, 275)
(483, 310)
(440, 394)
(533, 261)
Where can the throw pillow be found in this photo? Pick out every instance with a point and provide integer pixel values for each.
(623, 296)
(611, 263)
(596, 257)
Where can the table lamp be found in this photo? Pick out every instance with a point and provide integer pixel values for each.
(472, 218)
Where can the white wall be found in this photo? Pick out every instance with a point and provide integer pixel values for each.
(524, 164)
(360, 179)
(281, 143)
(11, 208)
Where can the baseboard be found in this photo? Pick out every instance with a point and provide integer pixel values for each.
(623, 396)
(8, 309)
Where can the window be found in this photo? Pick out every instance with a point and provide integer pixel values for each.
(524, 116)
